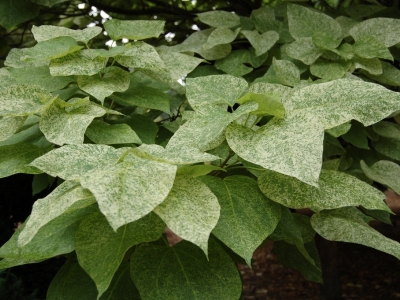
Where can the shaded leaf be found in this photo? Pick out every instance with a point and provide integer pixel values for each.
(261, 42)
(145, 127)
(286, 71)
(133, 30)
(234, 63)
(13, 13)
(103, 133)
(357, 136)
(221, 35)
(304, 50)
(387, 129)
(219, 18)
(390, 75)
(197, 170)
(48, 32)
(385, 172)
(325, 40)
(373, 65)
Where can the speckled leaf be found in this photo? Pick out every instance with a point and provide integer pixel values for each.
(384, 29)
(67, 125)
(191, 211)
(330, 70)
(96, 241)
(247, 216)
(387, 129)
(350, 225)
(183, 272)
(263, 18)
(385, 172)
(13, 59)
(6, 78)
(197, 170)
(221, 35)
(73, 161)
(48, 32)
(114, 80)
(103, 133)
(304, 22)
(178, 64)
(9, 125)
(325, 40)
(369, 47)
(345, 50)
(261, 42)
(289, 146)
(373, 65)
(268, 104)
(286, 71)
(133, 30)
(339, 101)
(336, 189)
(78, 63)
(131, 189)
(390, 75)
(304, 50)
(66, 198)
(219, 18)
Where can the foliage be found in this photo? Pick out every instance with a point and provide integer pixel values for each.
(292, 109)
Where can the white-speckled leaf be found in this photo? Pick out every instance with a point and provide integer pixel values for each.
(304, 22)
(96, 241)
(268, 104)
(77, 63)
(330, 70)
(48, 32)
(247, 216)
(178, 64)
(390, 75)
(73, 161)
(67, 125)
(339, 101)
(13, 59)
(289, 146)
(133, 30)
(219, 18)
(304, 50)
(221, 35)
(103, 133)
(325, 40)
(345, 50)
(385, 172)
(261, 42)
(336, 189)
(130, 189)
(51, 49)
(234, 63)
(350, 225)
(369, 47)
(9, 125)
(286, 71)
(6, 78)
(373, 65)
(384, 29)
(67, 197)
(114, 80)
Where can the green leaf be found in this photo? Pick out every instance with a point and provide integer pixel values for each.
(219, 18)
(346, 24)
(6, 78)
(304, 23)
(289, 146)
(264, 19)
(77, 63)
(247, 216)
(286, 71)
(14, 59)
(369, 47)
(48, 3)
(233, 64)
(103, 133)
(384, 29)
(9, 125)
(304, 50)
(390, 75)
(73, 161)
(133, 30)
(268, 104)
(48, 32)
(145, 128)
(387, 129)
(13, 13)
(125, 193)
(221, 35)
(373, 65)
(197, 170)
(385, 172)
(330, 70)
(96, 241)
(178, 64)
(336, 189)
(349, 225)
(325, 40)
(183, 272)
(66, 122)
(339, 130)
(345, 50)
(114, 80)
(261, 42)
(111, 52)
(66, 198)
(357, 136)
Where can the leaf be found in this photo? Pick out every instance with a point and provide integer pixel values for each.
(9, 125)
(197, 170)
(339, 130)
(6, 78)
(66, 198)
(350, 225)
(373, 65)
(73, 161)
(247, 216)
(261, 42)
(304, 23)
(114, 80)
(357, 136)
(145, 128)
(48, 3)
(96, 241)
(330, 70)
(325, 40)
(131, 189)
(336, 189)
(387, 129)
(390, 75)
(178, 64)
(133, 30)
(286, 71)
(264, 19)
(191, 211)
(384, 29)
(304, 50)
(233, 64)
(345, 50)
(385, 172)
(13, 13)
(103, 133)
(183, 272)
(268, 104)
(219, 36)
(289, 146)
(77, 63)
(370, 47)
(219, 18)
(67, 125)
(51, 49)
(14, 59)
(48, 32)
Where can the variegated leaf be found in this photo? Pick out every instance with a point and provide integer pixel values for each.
(330, 70)
(373, 65)
(48, 32)
(369, 47)
(178, 64)
(133, 30)
(390, 75)
(286, 71)
(6, 78)
(385, 172)
(261, 42)
(219, 18)
(304, 50)
(78, 63)
(220, 35)
(9, 125)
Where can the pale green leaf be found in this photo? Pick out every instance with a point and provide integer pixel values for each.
(373, 65)
(325, 40)
(133, 30)
(6, 78)
(130, 189)
(13, 13)
(67, 125)
(14, 59)
(390, 75)
(219, 18)
(330, 70)
(286, 71)
(384, 29)
(247, 216)
(346, 24)
(264, 19)
(28, 133)
(385, 172)
(268, 88)
(73, 161)
(103, 133)
(111, 52)
(221, 35)
(304, 23)
(387, 129)
(51, 49)
(9, 125)
(183, 272)
(48, 32)
(96, 241)
(233, 64)
(304, 50)
(339, 130)
(350, 225)
(369, 47)
(66, 198)
(261, 42)
(288, 146)
(336, 189)
(197, 170)
(345, 50)
(178, 64)
(268, 104)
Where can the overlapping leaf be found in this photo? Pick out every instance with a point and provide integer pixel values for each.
(390, 75)
(77, 63)
(219, 36)
(219, 18)
(48, 32)
(9, 125)
(104, 133)
(304, 50)
(369, 47)
(134, 30)
(330, 70)
(287, 72)
(261, 42)
(268, 104)
(384, 172)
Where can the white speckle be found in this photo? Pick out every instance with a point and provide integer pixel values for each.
(169, 36)
(195, 27)
(81, 5)
(124, 40)
(111, 43)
